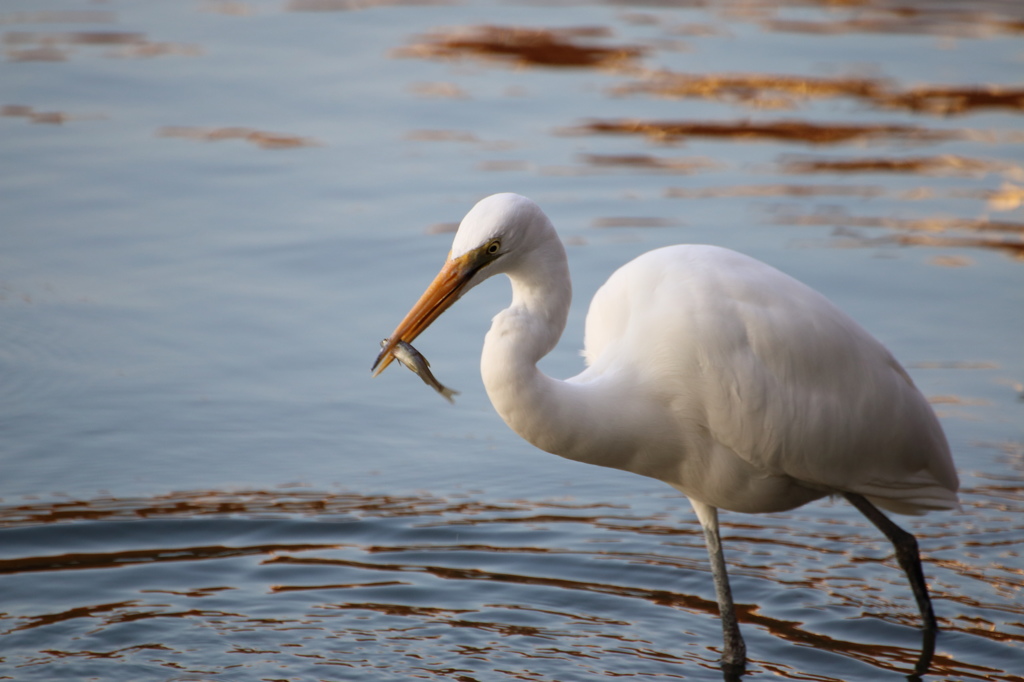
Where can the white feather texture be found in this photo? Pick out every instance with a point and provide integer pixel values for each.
(707, 369)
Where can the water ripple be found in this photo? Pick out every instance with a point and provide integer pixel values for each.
(536, 590)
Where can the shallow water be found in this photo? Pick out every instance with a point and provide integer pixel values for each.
(211, 212)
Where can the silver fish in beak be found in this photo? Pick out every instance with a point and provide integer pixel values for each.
(414, 360)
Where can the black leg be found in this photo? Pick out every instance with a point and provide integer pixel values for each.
(734, 650)
(909, 559)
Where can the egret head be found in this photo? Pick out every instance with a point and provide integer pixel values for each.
(513, 220)
(494, 237)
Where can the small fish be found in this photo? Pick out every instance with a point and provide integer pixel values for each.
(412, 359)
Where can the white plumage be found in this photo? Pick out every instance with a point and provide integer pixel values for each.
(707, 369)
(776, 395)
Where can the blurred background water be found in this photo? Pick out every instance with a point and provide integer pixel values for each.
(212, 211)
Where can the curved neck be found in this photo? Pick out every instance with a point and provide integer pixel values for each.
(520, 336)
(589, 418)
(555, 416)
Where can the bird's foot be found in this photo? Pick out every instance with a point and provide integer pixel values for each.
(734, 656)
(732, 671)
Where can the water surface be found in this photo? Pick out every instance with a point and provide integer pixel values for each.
(211, 212)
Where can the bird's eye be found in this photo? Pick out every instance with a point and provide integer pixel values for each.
(493, 247)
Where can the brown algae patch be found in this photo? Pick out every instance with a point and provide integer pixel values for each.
(260, 138)
(783, 91)
(778, 131)
(355, 5)
(969, 20)
(762, 91)
(34, 116)
(1004, 236)
(950, 101)
(646, 162)
(754, 191)
(23, 46)
(940, 165)
(553, 48)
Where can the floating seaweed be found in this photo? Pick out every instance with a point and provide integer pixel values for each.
(780, 91)
(31, 46)
(649, 163)
(775, 191)
(260, 138)
(781, 131)
(354, 5)
(524, 47)
(944, 164)
(1004, 236)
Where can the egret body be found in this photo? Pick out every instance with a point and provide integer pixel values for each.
(732, 382)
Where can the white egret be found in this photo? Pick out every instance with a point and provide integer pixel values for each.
(732, 382)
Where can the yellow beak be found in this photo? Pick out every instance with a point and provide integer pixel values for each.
(439, 296)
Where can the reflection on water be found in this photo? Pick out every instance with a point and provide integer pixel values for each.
(79, 16)
(776, 191)
(259, 138)
(297, 578)
(763, 91)
(48, 117)
(25, 46)
(944, 164)
(532, 47)
(646, 162)
(960, 19)
(174, 312)
(804, 132)
(353, 5)
(525, 46)
(997, 235)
